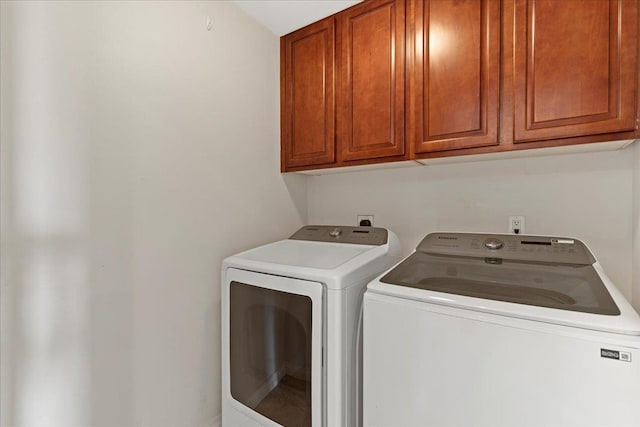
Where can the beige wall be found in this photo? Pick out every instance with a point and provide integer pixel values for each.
(138, 150)
(587, 196)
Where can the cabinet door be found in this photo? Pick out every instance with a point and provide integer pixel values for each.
(371, 72)
(307, 95)
(575, 68)
(454, 74)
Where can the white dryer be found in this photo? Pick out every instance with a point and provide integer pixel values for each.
(291, 313)
(499, 330)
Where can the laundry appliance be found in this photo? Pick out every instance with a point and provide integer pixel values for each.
(499, 330)
(291, 316)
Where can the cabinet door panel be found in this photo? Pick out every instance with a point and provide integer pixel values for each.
(371, 96)
(455, 74)
(575, 68)
(308, 127)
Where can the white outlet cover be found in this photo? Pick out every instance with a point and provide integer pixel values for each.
(516, 221)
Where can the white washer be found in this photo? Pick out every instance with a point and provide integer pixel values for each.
(291, 313)
(499, 330)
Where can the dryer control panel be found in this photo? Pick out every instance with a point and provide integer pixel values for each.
(342, 234)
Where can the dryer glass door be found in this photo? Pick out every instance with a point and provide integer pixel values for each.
(275, 345)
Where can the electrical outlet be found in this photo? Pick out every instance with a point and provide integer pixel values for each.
(516, 224)
(361, 218)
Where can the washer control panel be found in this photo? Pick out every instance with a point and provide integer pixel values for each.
(560, 250)
(342, 234)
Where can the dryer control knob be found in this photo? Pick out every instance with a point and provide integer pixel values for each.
(336, 232)
(493, 243)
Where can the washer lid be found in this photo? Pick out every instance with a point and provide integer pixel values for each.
(553, 280)
(573, 287)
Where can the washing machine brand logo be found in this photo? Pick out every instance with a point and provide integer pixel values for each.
(617, 355)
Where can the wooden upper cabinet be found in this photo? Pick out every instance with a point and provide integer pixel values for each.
(370, 98)
(575, 68)
(454, 74)
(307, 59)
(482, 76)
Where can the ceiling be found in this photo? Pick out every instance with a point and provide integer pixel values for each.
(284, 16)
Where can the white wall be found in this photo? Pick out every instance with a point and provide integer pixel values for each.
(587, 196)
(636, 228)
(138, 150)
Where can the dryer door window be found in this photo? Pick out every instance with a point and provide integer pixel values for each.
(271, 350)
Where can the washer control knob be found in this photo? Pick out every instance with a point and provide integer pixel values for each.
(493, 243)
(336, 232)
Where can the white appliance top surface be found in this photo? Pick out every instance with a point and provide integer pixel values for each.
(337, 256)
(538, 280)
(303, 254)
